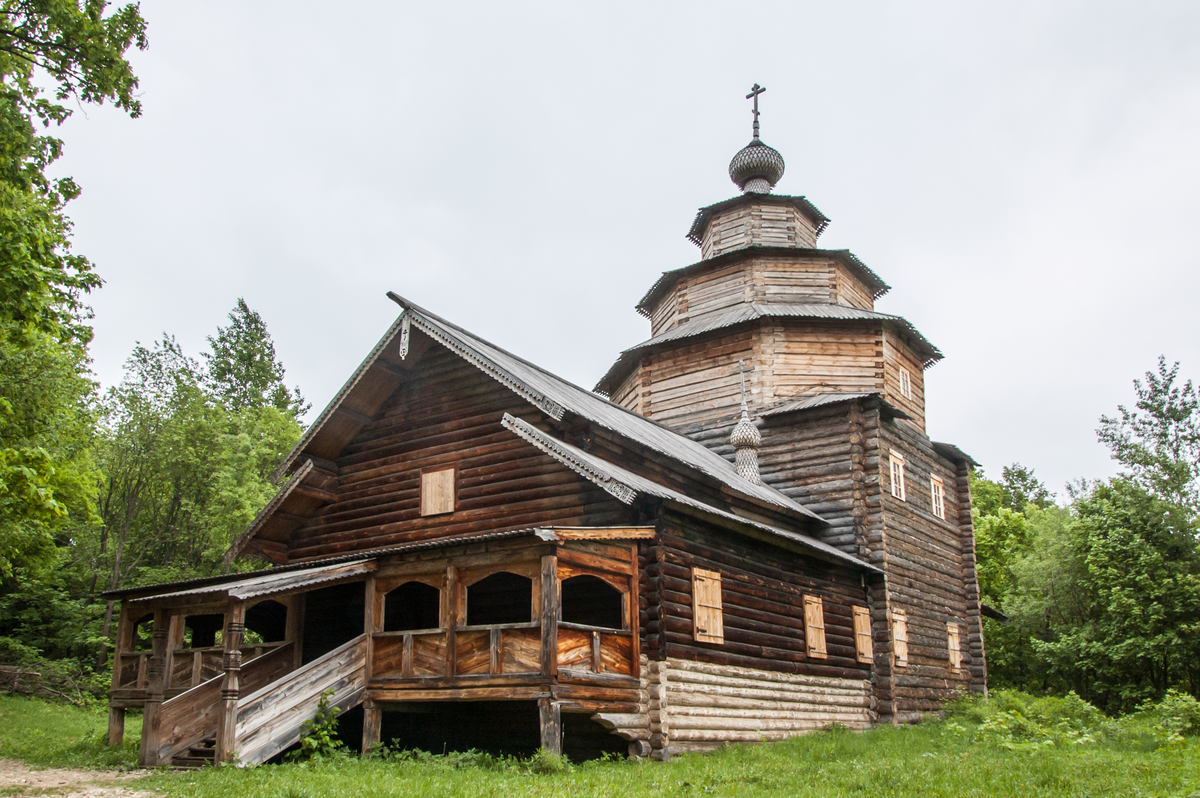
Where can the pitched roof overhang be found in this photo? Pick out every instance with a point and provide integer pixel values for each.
(241, 587)
(627, 486)
(819, 220)
(551, 394)
(843, 256)
(831, 398)
(952, 453)
(753, 311)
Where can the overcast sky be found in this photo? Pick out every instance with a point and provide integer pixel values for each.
(1023, 174)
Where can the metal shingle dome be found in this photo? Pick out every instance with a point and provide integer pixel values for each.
(756, 168)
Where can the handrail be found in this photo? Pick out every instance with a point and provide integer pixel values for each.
(269, 720)
(191, 716)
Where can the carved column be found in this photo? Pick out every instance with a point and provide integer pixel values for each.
(235, 627)
(148, 756)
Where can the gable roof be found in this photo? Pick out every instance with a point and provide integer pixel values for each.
(752, 311)
(555, 397)
(843, 256)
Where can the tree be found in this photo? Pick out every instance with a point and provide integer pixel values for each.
(1159, 441)
(82, 51)
(242, 368)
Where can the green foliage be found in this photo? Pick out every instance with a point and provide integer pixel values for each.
(319, 740)
(243, 369)
(1158, 442)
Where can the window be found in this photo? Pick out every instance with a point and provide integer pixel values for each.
(707, 621)
(897, 462)
(413, 605)
(900, 637)
(437, 491)
(503, 597)
(590, 601)
(814, 626)
(905, 384)
(862, 634)
(937, 496)
(954, 644)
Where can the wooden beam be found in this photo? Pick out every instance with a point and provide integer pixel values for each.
(372, 726)
(354, 415)
(316, 493)
(390, 368)
(148, 756)
(235, 625)
(321, 464)
(550, 719)
(549, 615)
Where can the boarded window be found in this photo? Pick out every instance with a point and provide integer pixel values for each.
(937, 496)
(707, 619)
(955, 647)
(437, 491)
(900, 637)
(905, 384)
(897, 463)
(814, 626)
(862, 634)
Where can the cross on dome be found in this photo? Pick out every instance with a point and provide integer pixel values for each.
(756, 168)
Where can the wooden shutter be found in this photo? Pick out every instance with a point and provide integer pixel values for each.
(707, 621)
(955, 647)
(814, 626)
(900, 637)
(937, 495)
(862, 634)
(897, 465)
(437, 491)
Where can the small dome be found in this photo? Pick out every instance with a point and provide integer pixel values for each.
(745, 433)
(756, 168)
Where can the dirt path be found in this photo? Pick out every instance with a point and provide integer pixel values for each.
(15, 775)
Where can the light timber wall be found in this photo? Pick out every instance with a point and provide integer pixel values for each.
(757, 224)
(447, 413)
(897, 354)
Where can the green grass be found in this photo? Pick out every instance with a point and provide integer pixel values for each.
(60, 735)
(927, 761)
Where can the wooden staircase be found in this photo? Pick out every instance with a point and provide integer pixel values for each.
(274, 705)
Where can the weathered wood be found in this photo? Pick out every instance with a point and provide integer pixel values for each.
(551, 614)
(235, 625)
(154, 692)
(550, 721)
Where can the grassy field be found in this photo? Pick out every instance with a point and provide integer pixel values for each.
(970, 755)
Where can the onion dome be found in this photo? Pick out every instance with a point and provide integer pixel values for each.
(756, 168)
(746, 439)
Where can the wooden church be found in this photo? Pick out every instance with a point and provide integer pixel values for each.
(743, 533)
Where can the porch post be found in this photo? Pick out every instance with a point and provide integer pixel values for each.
(295, 628)
(235, 626)
(372, 622)
(549, 615)
(116, 715)
(550, 716)
(148, 756)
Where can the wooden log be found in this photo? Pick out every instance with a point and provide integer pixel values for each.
(230, 689)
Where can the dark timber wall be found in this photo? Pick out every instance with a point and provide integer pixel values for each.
(448, 414)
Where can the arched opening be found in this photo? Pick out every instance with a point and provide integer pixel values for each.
(413, 605)
(590, 601)
(503, 597)
(201, 630)
(143, 633)
(267, 619)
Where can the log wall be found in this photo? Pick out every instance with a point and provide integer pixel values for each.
(756, 224)
(447, 414)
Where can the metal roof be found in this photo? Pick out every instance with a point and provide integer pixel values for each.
(261, 584)
(751, 311)
(952, 452)
(833, 397)
(626, 486)
(844, 256)
(555, 396)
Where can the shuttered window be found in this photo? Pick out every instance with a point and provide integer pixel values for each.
(905, 384)
(900, 637)
(862, 634)
(437, 491)
(937, 496)
(707, 622)
(955, 645)
(897, 463)
(814, 626)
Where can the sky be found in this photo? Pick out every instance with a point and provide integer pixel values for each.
(1025, 175)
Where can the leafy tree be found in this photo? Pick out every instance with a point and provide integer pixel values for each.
(82, 52)
(1159, 440)
(242, 367)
